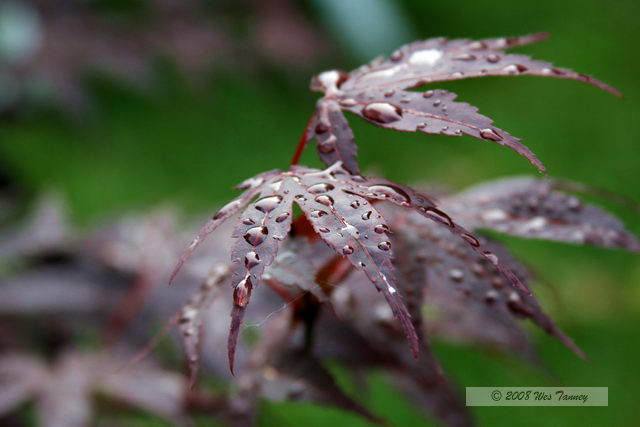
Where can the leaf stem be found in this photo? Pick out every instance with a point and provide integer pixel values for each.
(303, 141)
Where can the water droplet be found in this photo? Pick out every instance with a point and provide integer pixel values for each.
(242, 292)
(477, 269)
(351, 230)
(427, 94)
(348, 102)
(456, 275)
(421, 126)
(317, 213)
(251, 259)
(362, 264)
(425, 57)
(390, 192)
(347, 250)
(328, 146)
(224, 211)
(514, 297)
(470, 239)
(514, 69)
(323, 230)
(438, 215)
(491, 296)
(321, 128)
(558, 71)
(384, 246)
(397, 56)
(477, 45)
(382, 112)
(320, 188)
(268, 204)
(490, 134)
(256, 235)
(437, 103)
(465, 57)
(493, 58)
(324, 200)
(355, 204)
(366, 215)
(381, 228)
(283, 216)
(497, 282)
(300, 198)
(278, 237)
(248, 221)
(389, 93)
(491, 257)
(574, 204)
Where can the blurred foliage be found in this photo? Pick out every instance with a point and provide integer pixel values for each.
(191, 142)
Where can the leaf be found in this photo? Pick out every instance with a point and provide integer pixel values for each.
(532, 208)
(337, 205)
(379, 93)
(189, 319)
(335, 138)
(432, 112)
(473, 292)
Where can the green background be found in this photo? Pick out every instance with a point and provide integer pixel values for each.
(175, 142)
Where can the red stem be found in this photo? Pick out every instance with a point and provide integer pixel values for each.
(303, 141)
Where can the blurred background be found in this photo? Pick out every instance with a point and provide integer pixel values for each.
(120, 106)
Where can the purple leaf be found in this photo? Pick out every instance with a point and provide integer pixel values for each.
(379, 93)
(432, 112)
(532, 208)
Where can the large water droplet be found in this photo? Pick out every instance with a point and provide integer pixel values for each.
(242, 292)
(382, 112)
(366, 215)
(320, 188)
(384, 246)
(251, 259)
(268, 204)
(324, 200)
(490, 134)
(355, 204)
(256, 235)
(347, 250)
(391, 192)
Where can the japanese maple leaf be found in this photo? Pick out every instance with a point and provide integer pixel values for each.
(472, 298)
(380, 94)
(338, 206)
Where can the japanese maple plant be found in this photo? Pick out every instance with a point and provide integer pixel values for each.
(412, 249)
